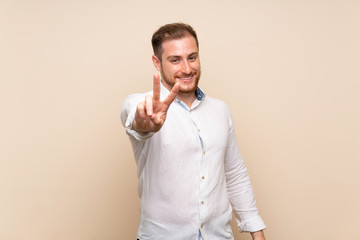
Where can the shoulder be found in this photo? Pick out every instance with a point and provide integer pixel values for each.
(216, 104)
(135, 98)
(130, 103)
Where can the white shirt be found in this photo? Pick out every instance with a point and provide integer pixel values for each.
(191, 174)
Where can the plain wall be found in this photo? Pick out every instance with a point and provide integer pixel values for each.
(289, 71)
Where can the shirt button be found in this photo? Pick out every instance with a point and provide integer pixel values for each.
(202, 202)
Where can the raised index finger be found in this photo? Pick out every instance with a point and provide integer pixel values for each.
(156, 87)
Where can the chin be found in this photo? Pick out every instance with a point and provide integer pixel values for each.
(188, 89)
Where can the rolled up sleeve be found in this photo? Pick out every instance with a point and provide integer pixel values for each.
(127, 115)
(239, 187)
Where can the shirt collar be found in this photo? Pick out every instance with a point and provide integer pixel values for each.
(199, 94)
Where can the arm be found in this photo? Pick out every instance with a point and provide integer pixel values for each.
(240, 190)
(259, 235)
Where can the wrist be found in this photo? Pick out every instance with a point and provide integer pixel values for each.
(137, 128)
(259, 235)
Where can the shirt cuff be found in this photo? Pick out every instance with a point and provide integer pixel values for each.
(253, 224)
(131, 132)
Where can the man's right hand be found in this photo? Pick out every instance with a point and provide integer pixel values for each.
(151, 114)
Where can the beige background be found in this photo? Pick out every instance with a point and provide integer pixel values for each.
(288, 69)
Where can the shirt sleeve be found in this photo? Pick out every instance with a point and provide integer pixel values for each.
(239, 187)
(127, 115)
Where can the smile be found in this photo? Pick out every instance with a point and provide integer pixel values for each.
(186, 79)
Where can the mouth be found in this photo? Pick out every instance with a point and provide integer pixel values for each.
(186, 79)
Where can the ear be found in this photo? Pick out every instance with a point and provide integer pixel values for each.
(156, 62)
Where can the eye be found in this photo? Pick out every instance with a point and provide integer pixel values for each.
(192, 58)
(174, 60)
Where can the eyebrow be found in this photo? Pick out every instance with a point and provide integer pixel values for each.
(176, 56)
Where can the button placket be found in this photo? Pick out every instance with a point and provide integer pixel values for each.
(202, 172)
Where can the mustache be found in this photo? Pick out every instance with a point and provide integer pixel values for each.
(187, 75)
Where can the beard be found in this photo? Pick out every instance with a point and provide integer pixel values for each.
(170, 81)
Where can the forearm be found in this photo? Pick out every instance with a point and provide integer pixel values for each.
(259, 235)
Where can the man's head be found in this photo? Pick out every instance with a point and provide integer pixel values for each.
(169, 32)
(176, 56)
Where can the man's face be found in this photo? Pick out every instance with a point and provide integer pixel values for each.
(180, 63)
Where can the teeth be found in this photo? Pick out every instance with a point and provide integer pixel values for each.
(186, 78)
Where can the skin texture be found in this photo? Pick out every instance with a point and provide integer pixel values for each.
(259, 235)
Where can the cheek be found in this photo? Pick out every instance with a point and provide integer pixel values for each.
(175, 71)
(196, 65)
(170, 69)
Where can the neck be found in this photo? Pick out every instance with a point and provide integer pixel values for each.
(187, 98)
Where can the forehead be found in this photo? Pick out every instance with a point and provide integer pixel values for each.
(179, 47)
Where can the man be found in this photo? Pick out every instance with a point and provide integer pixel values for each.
(191, 174)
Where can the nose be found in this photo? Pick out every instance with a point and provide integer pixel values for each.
(185, 68)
